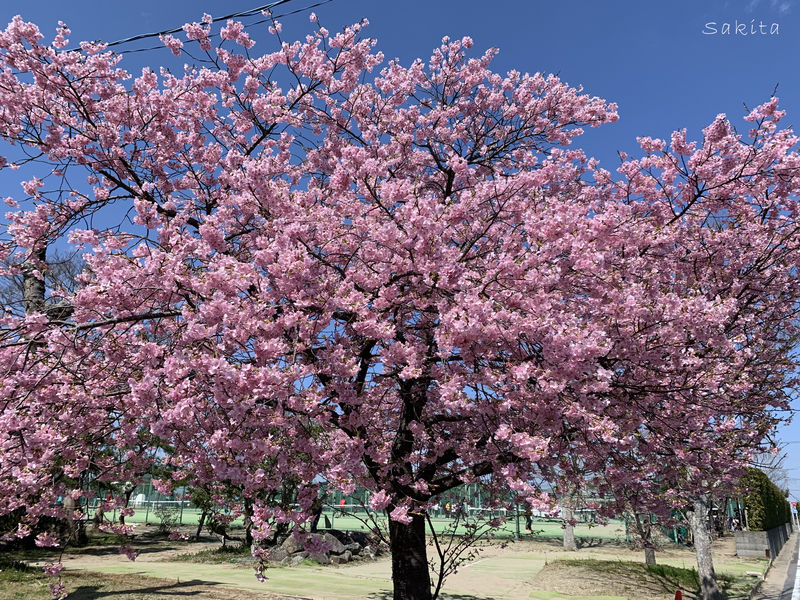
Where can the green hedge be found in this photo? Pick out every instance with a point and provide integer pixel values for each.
(765, 503)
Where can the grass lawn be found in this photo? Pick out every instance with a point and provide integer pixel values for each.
(32, 584)
(575, 579)
(528, 569)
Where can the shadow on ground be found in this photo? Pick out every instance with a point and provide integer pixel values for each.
(589, 542)
(142, 547)
(442, 596)
(173, 590)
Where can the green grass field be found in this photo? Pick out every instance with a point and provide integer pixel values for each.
(542, 528)
(528, 569)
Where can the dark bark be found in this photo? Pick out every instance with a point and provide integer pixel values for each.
(200, 524)
(316, 511)
(248, 522)
(128, 494)
(698, 521)
(410, 574)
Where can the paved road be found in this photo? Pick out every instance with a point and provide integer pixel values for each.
(782, 582)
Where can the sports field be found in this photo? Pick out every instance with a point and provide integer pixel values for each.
(353, 519)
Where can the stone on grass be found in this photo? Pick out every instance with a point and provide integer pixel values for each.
(320, 557)
(291, 544)
(334, 545)
(297, 559)
(353, 547)
(278, 553)
(342, 558)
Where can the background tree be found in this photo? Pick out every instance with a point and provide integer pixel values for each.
(60, 278)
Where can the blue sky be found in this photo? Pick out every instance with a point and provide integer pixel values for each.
(668, 64)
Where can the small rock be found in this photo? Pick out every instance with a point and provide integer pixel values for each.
(320, 557)
(359, 537)
(278, 553)
(335, 546)
(342, 558)
(353, 547)
(297, 559)
(292, 545)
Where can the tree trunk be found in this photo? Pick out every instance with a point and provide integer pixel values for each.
(316, 511)
(33, 290)
(698, 521)
(128, 494)
(200, 524)
(248, 522)
(644, 530)
(69, 517)
(410, 575)
(569, 530)
(97, 519)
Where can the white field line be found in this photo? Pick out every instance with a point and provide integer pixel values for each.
(483, 559)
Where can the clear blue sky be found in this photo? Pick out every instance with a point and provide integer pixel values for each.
(652, 58)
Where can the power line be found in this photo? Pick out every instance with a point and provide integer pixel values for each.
(245, 13)
(246, 25)
(291, 12)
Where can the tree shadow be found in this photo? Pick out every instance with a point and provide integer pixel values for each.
(387, 595)
(584, 542)
(670, 584)
(171, 590)
(141, 547)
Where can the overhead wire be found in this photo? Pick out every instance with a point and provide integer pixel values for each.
(245, 13)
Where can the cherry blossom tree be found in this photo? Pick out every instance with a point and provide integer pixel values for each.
(732, 352)
(404, 279)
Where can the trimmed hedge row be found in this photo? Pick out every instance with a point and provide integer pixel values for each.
(766, 505)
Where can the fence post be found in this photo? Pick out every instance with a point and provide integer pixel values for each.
(146, 511)
(180, 518)
(516, 510)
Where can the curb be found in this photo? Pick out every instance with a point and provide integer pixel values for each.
(756, 589)
(757, 585)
